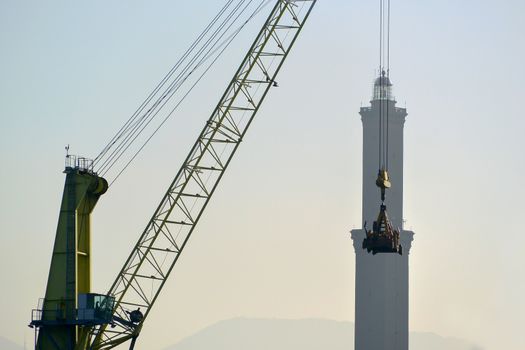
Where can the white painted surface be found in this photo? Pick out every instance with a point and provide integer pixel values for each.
(381, 295)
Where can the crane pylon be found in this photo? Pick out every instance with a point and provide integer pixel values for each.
(61, 318)
(77, 319)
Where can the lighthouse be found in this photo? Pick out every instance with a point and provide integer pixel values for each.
(382, 280)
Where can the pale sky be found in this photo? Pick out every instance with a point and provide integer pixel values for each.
(274, 240)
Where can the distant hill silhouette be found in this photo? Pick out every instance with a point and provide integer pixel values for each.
(6, 344)
(278, 334)
(308, 334)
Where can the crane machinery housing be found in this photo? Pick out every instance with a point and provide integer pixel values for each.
(71, 316)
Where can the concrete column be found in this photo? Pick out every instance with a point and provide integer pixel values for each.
(381, 295)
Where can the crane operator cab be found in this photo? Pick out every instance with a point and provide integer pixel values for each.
(383, 238)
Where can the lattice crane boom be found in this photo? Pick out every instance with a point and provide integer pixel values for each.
(151, 261)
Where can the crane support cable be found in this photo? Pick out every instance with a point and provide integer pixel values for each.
(194, 57)
(131, 134)
(125, 127)
(218, 50)
(224, 46)
(140, 121)
(170, 227)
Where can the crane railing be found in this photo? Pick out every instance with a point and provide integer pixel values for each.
(151, 261)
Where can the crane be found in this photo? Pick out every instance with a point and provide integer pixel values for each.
(71, 316)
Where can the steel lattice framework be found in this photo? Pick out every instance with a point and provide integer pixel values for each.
(159, 247)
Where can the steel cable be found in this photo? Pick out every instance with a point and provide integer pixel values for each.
(162, 82)
(165, 98)
(215, 47)
(133, 129)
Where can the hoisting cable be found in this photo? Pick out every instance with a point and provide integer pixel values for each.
(383, 237)
(388, 87)
(380, 148)
(383, 94)
(135, 126)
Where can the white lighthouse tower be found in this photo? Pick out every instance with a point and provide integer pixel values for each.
(381, 285)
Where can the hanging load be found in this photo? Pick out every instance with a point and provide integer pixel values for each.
(383, 238)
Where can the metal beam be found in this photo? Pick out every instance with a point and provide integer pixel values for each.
(179, 211)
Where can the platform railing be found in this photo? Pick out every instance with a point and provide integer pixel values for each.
(79, 163)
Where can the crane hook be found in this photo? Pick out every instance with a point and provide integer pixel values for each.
(383, 182)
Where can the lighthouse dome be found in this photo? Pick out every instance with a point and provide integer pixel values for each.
(383, 88)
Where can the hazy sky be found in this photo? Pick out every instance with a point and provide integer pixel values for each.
(274, 240)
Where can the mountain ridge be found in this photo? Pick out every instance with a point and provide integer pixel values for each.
(6, 344)
(279, 334)
(305, 334)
